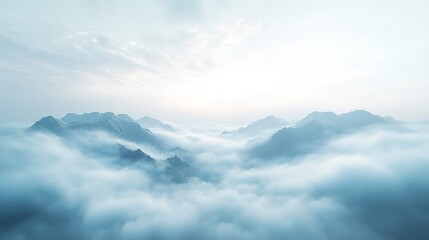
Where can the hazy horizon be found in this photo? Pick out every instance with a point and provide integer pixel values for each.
(223, 61)
(198, 124)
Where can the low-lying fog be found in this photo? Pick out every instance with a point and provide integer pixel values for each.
(371, 184)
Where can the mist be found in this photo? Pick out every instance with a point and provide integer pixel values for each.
(368, 185)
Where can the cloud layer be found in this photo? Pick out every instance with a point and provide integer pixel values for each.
(369, 185)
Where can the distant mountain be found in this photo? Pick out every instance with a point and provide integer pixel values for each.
(312, 132)
(50, 124)
(125, 117)
(174, 168)
(291, 142)
(108, 122)
(149, 122)
(178, 170)
(267, 124)
(134, 155)
(392, 120)
(323, 117)
(346, 122)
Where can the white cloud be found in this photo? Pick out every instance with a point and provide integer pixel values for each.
(368, 185)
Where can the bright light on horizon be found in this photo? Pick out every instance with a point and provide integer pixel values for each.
(215, 60)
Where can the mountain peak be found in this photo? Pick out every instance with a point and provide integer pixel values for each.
(272, 117)
(150, 122)
(175, 161)
(266, 124)
(49, 123)
(134, 155)
(179, 171)
(290, 142)
(108, 122)
(320, 115)
(92, 117)
(345, 122)
(149, 118)
(358, 113)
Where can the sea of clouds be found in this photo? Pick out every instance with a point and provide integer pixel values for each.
(369, 185)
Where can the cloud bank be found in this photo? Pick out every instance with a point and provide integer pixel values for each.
(363, 186)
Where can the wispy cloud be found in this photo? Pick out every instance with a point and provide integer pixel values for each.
(82, 56)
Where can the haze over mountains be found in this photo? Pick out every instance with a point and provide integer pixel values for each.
(266, 125)
(173, 168)
(282, 140)
(97, 171)
(120, 126)
(123, 127)
(312, 132)
(345, 122)
(149, 122)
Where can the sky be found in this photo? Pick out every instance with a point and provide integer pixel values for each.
(195, 61)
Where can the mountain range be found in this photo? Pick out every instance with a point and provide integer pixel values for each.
(284, 141)
(116, 125)
(124, 127)
(313, 132)
(345, 122)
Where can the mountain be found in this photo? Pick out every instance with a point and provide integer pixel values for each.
(323, 117)
(134, 155)
(148, 122)
(267, 124)
(49, 124)
(173, 169)
(312, 132)
(178, 170)
(125, 117)
(108, 122)
(346, 122)
(392, 120)
(291, 142)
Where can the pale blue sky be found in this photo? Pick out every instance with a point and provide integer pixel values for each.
(225, 60)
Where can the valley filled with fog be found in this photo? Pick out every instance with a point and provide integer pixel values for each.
(354, 175)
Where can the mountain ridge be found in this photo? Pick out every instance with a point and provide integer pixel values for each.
(266, 124)
(107, 122)
(150, 122)
(312, 132)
